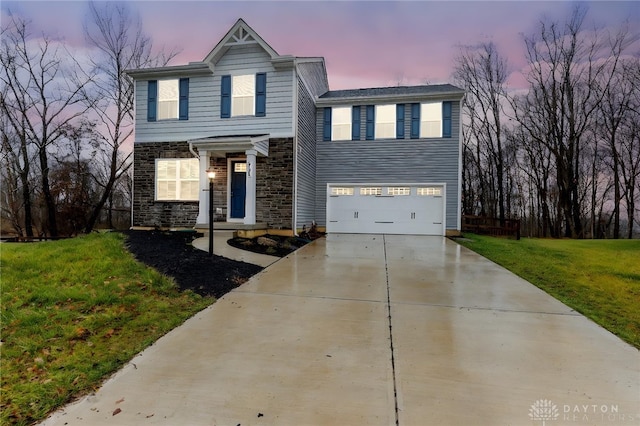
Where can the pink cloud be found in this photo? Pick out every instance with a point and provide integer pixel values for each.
(364, 43)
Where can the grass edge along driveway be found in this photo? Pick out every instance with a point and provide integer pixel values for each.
(598, 278)
(72, 313)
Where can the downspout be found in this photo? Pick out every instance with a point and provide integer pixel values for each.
(133, 181)
(195, 154)
(460, 165)
(295, 126)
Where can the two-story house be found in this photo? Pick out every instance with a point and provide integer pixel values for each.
(287, 150)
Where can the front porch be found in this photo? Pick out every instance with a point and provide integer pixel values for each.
(233, 159)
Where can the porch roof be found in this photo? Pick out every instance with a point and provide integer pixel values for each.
(219, 146)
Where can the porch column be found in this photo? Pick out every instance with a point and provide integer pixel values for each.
(250, 198)
(203, 208)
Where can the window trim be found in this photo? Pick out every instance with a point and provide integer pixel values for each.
(389, 124)
(425, 109)
(347, 118)
(175, 84)
(234, 96)
(178, 180)
(153, 99)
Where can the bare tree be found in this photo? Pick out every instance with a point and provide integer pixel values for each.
(45, 95)
(630, 145)
(14, 178)
(121, 45)
(565, 63)
(15, 145)
(482, 72)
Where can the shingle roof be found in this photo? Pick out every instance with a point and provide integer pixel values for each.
(433, 89)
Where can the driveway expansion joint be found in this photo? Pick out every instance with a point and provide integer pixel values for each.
(393, 360)
(488, 308)
(306, 296)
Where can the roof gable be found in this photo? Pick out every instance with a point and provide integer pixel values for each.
(240, 34)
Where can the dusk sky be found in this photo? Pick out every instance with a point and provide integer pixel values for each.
(365, 44)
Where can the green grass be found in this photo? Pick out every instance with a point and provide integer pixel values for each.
(598, 278)
(72, 313)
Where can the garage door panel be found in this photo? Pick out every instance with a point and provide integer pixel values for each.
(420, 211)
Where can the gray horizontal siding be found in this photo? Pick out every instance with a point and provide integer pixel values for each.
(204, 102)
(306, 158)
(389, 161)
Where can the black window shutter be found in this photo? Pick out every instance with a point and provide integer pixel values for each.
(355, 123)
(371, 122)
(446, 119)
(415, 121)
(152, 99)
(225, 97)
(400, 121)
(183, 108)
(261, 94)
(326, 128)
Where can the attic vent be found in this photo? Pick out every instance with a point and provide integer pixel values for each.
(241, 36)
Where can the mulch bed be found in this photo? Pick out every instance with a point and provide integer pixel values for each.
(172, 254)
(273, 245)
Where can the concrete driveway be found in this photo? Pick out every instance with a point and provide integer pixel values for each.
(376, 330)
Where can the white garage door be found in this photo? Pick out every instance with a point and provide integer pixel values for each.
(386, 209)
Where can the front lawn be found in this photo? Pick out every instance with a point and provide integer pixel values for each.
(72, 313)
(598, 278)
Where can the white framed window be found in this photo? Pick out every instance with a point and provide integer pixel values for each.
(430, 191)
(341, 190)
(341, 124)
(385, 121)
(243, 93)
(177, 179)
(431, 120)
(399, 190)
(240, 167)
(168, 95)
(369, 190)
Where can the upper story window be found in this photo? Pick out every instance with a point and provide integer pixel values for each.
(168, 99)
(385, 121)
(431, 120)
(428, 120)
(341, 124)
(177, 179)
(243, 95)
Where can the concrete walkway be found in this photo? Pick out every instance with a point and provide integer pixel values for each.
(221, 248)
(376, 330)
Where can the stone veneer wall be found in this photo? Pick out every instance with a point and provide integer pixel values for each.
(147, 211)
(274, 185)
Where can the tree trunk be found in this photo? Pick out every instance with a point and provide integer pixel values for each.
(46, 191)
(616, 191)
(26, 190)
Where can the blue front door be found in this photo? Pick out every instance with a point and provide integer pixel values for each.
(238, 188)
